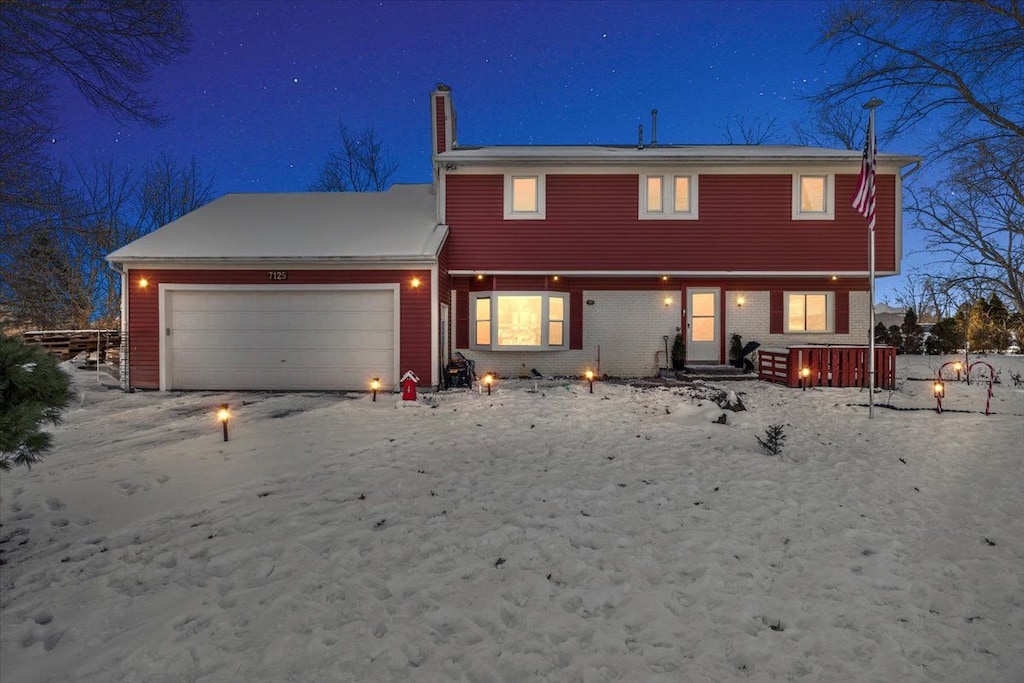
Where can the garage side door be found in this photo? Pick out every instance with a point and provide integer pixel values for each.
(283, 340)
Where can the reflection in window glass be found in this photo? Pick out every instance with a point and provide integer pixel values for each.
(524, 195)
(702, 304)
(654, 194)
(812, 194)
(519, 320)
(703, 330)
(682, 194)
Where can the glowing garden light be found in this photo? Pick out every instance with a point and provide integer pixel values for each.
(375, 387)
(223, 415)
(939, 391)
(488, 381)
(805, 374)
(589, 374)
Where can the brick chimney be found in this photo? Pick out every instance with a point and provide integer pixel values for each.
(442, 119)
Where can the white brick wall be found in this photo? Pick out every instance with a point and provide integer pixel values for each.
(629, 328)
(624, 330)
(751, 322)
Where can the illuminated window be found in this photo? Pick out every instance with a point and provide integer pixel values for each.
(524, 197)
(519, 320)
(483, 321)
(672, 197)
(809, 312)
(813, 197)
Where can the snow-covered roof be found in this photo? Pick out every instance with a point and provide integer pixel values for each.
(397, 225)
(710, 154)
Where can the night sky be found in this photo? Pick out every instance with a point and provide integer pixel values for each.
(259, 98)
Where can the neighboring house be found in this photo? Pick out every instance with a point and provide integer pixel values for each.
(555, 258)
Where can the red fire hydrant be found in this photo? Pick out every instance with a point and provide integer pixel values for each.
(409, 382)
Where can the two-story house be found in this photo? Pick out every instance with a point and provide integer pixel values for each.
(555, 258)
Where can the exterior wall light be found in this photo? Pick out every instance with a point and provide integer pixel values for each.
(805, 374)
(488, 381)
(479, 276)
(415, 282)
(668, 301)
(740, 300)
(554, 278)
(589, 374)
(143, 282)
(223, 415)
(375, 387)
(664, 278)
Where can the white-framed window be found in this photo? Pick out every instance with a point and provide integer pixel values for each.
(670, 196)
(813, 196)
(519, 321)
(524, 196)
(809, 312)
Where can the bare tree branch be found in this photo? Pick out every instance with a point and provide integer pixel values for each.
(361, 165)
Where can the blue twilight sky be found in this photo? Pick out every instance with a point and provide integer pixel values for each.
(259, 98)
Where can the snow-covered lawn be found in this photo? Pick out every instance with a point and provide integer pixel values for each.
(539, 534)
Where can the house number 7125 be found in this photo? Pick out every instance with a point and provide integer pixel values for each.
(277, 274)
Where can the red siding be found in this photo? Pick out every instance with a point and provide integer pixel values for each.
(745, 224)
(143, 311)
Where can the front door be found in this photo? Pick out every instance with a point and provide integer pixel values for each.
(703, 333)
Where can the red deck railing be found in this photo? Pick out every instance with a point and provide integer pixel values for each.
(830, 366)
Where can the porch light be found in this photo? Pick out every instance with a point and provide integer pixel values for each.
(223, 414)
(375, 387)
(664, 278)
(589, 374)
(554, 278)
(415, 282)
(805, 374)
(479, 276)
(143, 282)
(488, 380)
(668, 301)
(834, 278)
(740, 300)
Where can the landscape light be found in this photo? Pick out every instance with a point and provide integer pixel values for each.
(939, 390)
(488, 380)
(590, 379)
(958, 366)
(805, 374)
(223, 414)
(375, 386)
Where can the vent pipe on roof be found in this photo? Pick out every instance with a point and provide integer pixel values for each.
(654, 128)
(640, 136)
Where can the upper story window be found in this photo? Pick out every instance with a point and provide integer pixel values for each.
(809, 311)
(519, 321)
(524, 197)
(668, 196)
(813, 196)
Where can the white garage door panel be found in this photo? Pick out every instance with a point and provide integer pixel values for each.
(307, 339)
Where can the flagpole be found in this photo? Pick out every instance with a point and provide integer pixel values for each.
(871, 105)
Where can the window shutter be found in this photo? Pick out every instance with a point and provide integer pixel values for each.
(775, 311)
(576, 319)
(842, 312)
(462, 317)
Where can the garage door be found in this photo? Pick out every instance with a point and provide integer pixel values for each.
(298, 339)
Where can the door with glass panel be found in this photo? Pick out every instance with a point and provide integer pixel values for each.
(703, 333)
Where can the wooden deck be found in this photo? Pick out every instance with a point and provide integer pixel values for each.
(830, 366)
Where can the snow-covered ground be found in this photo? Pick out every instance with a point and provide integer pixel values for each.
(540, 534)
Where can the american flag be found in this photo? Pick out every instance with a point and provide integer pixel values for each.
(864, 199)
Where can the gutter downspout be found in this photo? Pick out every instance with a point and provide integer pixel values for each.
(123, 359)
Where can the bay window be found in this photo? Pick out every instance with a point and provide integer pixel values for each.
(519, 320)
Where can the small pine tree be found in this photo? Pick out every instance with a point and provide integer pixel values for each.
(913, 334)
(33, 392)
(773, 441)
(678, 353)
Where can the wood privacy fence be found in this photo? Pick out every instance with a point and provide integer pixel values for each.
(830, 366)
(66, 344)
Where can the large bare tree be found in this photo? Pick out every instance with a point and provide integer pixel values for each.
(959, 68)
(106, 48)
(361, 165)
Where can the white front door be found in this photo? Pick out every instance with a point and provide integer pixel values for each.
(703, 333)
